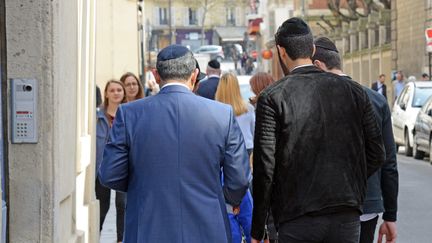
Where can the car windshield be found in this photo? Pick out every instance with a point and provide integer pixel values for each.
(421, 95)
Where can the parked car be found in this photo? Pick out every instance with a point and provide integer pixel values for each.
(405, 111)
(215, 52)
(423, 132)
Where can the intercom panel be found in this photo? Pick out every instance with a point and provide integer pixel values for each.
(24, 94)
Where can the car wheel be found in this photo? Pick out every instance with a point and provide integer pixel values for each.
(408, 148)
(417, 154)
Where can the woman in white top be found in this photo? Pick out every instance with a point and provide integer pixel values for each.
(228, 92)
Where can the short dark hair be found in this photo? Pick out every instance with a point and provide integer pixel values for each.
(296, 47)
(381, 75)
(330, 58)
(425, 75)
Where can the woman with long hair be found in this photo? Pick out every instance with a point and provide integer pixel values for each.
(114, 95)
(134, 88)
(228, 92)
(258, 83)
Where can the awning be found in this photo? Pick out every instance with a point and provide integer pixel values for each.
(254, 26)
(231, 33)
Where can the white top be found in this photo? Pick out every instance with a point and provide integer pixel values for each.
(246, 122)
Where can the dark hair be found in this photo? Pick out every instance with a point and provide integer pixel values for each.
(296, 47)
(140, 93)
(330, 58)
(98, 96)
(381, 75)
(258, 83)
(425, 75)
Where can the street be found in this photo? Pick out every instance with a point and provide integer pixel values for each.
(415, 200)
(415, 203)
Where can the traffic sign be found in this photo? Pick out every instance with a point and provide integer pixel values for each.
(428, 35)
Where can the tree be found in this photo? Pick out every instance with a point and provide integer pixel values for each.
(207, 6)
(352, 8)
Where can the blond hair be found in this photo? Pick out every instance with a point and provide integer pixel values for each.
(228, 92)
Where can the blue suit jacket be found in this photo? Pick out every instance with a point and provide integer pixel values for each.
(166, 151)
(207, 88)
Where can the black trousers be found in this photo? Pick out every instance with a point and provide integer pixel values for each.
(367, 230)
(329, 228)
(103, 194)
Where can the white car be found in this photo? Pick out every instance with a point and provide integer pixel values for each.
(405, 111)
(215, 52)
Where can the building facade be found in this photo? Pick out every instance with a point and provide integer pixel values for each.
(194, 23)
(409, 21)
(62, 48)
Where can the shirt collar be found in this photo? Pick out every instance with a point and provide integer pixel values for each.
(213, 76)
(179, 84)
(300, 66)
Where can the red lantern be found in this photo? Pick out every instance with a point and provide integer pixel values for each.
(267, 54)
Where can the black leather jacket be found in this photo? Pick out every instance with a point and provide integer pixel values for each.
(316, 142)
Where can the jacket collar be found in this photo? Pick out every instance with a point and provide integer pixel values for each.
(306, 69)
(100, 114)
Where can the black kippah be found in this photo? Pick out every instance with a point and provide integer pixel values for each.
(325, 43)
(294, 27)
(214, 64)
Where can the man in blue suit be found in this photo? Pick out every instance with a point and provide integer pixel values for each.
(163, 153)
(207, 87)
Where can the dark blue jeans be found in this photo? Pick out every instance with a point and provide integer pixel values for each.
(329, 228)
(103, 194)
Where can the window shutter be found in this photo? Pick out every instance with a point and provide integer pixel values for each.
(186, 16)
(238, 16)
(156, 16)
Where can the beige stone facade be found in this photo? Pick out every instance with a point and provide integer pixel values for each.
(67, 46)
(51, 182)
(410, 18)
(116, 39)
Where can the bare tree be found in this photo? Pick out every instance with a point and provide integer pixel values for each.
(206, 6)
(335, 8)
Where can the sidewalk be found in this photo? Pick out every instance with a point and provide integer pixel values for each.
(109, 232)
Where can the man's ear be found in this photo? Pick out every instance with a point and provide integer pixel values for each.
(316, 63)
(156, 75)
(320, 65)
(282, 51)
(194, 76)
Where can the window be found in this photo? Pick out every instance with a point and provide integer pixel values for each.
(163, 16)
(231, 16)
(420, 96)
(193, 20)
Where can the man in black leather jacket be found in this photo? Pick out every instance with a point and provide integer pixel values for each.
(382, 187)
(316, 142)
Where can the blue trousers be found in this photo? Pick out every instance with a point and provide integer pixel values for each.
(242, 223)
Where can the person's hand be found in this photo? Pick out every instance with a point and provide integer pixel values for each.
(389, 230)
(255, 241)
(236, 210)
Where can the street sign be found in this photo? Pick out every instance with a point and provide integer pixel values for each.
(429, 46)
(428, 35)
